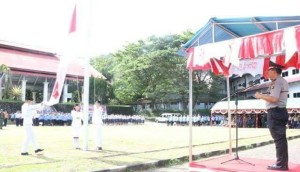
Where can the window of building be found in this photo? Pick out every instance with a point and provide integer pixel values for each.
(284, 74)
(257, 81)
(295, 71)
(288, 95)
(296, 95)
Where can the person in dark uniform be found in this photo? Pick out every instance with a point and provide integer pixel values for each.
(277, 116)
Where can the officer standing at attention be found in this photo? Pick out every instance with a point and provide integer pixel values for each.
(277, 116)
(27, 113)
(77, 116)
(97, 121)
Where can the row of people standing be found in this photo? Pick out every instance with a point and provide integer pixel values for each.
(118, 119)
(65, 119)
(294, 121)
(197, 120)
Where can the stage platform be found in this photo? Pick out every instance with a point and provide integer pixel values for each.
(236, 165)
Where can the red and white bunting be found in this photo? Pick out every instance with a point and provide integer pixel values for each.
(282, 46)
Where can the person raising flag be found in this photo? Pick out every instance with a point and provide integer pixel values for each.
(27, 113)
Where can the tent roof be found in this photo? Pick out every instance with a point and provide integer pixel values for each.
(254, 104)
(242, 105)
(230, 28)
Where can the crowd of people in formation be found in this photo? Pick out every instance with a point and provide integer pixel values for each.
(249, 121)
(65, 119)
(243, 121)
(294, 121)
(197, 120)
(117, 119)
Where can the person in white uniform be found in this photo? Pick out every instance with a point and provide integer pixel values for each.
(27, 113)
(77, 116)
(97, 121)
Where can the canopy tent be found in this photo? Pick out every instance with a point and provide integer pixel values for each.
(242, 54)
(224, 44)
(252, 106)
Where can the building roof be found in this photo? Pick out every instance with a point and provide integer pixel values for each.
(24, 60)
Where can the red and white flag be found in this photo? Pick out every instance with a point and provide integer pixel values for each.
(73, 22)
(59, 83)
(62, 69)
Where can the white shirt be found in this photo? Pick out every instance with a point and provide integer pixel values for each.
(97, 115)
(27, 112)
(76, 118)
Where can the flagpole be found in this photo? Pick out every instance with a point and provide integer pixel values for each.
(190, 114)
(86, 102)
(88, 19)
(229, 115)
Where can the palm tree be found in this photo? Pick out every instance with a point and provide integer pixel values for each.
(16, 92)
(3, 71)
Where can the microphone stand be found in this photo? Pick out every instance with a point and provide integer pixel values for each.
(236, 125)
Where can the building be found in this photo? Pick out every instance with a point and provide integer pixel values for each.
(260, 84)
(34, 69)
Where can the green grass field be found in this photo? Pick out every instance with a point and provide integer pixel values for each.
(122, 145)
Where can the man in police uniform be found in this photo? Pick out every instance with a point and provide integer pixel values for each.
(277, 116)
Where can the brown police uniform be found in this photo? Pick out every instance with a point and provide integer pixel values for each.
(278, 118)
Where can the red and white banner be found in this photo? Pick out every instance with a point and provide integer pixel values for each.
(251, 66)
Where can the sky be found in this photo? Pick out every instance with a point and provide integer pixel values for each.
(111, 24)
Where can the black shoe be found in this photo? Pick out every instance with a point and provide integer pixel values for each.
(25, 153)
(38, 150)
(99, 148)
(77, 148)
(278, 167)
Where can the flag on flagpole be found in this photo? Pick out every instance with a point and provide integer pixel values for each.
(59, 83)
(73, 21)
(62, 68)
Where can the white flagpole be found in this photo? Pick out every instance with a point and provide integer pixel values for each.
(229, 115)
(190, 114)
(86, 102)
(87, 29)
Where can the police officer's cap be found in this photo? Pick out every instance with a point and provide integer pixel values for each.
(276, 67)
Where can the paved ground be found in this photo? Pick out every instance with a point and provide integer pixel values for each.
(265, 152)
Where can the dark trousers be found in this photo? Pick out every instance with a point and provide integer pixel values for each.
(277, 120)
(18, 121)
(4, 122)
(36, 122)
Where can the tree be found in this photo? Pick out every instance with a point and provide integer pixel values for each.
(3, 69)
(104, 64)
(100, 90)
(152, 70)
(16, 92)
(4, 72)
